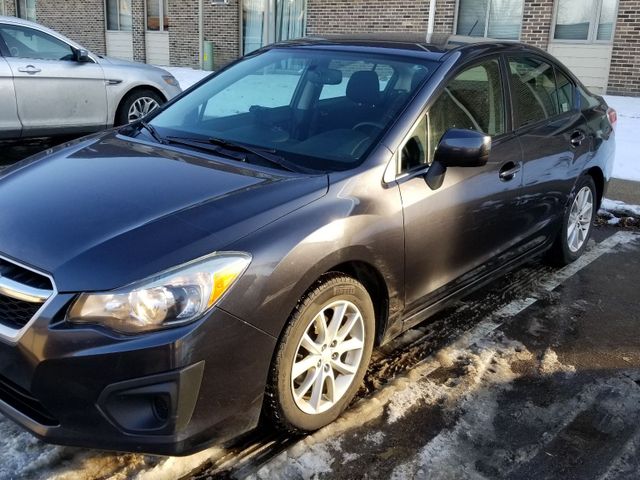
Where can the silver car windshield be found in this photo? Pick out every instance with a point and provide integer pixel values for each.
(320, 109)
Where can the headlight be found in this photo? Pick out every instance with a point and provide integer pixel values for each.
(171, 80)
(173, 297)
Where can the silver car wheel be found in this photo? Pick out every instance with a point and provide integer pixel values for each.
(141, 107)
(327, 357)
(580, 219)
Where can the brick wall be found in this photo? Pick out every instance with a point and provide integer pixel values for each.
(445, 16)
(222, 27)
(536, 22)
(138, 30)
(366, 16)
(9, 7)
(80, 20)
(624, 77)
(183, 33)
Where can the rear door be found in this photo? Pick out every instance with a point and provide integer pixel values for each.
(54, 92)
(554, 140)
(10, 126)
(463, 229)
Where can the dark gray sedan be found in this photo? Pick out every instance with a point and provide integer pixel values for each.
(242, 251)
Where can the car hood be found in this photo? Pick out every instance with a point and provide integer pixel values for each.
(118, 62)
(109, 210)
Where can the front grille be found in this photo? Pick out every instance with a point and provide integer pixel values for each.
(24, 402)
(16, 313)
(22, 293)
(23, 275)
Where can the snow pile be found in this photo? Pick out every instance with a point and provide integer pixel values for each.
(617, 207)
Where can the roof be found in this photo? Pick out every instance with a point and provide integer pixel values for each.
(433, 46)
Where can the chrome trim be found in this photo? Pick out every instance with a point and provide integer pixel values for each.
(11, 335)
(20, 291)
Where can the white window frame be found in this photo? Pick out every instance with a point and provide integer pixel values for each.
(593, 28)
(106, 14)
(160, 18)
(2, 7)
(486, 20)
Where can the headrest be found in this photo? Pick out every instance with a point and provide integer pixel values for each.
(364, 87)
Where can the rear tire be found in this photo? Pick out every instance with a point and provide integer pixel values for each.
(322, 356)
(577, 223)
(136, 105)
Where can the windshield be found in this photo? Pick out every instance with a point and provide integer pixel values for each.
(318, 109)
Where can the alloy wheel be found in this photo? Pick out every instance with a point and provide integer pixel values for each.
(141, 107)
(328, 357)
(580, 218)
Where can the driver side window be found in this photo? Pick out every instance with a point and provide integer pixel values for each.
(472, 100)
(24, 42)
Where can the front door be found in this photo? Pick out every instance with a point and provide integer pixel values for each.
(453, 233)
(268, 21)
(10, 126)
(54, 93)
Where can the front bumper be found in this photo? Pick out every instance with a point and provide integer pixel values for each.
(170, 392)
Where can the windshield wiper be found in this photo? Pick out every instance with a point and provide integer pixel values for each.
(152, 130)
(217, 144)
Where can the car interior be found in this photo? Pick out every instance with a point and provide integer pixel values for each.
(338, 108)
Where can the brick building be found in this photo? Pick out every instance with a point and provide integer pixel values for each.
(597, 39)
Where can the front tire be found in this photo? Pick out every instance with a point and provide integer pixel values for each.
(322, 356)
(577, 223)
(137, 105)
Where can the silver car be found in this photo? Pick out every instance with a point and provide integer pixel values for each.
(50, 85)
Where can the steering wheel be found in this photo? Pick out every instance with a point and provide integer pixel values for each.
(376, 125)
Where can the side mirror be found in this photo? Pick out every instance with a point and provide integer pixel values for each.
(82, 55)
(463, 148)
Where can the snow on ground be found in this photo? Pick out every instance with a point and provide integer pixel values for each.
(186, 76)
(627, 165)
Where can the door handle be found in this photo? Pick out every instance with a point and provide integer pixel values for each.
(577, 138)
(508, 171)
(30, 69)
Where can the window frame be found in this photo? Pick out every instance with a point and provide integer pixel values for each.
(106, 19)
(486, 21)
(161, 17)
(26, 7)
(593, 27)
(518, 130)
(395, 174)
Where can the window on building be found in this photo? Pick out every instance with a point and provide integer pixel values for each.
(266, 22)
(119, 15)
(26, 9)
(2, 12)
(490, 18)
(585, 20)
(157, 15)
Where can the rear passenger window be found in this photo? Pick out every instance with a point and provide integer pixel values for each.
(472, 100)
(564, 92)
(533, 89)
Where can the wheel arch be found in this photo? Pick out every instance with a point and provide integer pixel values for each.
(132, 90)
(373, 281)
(598, 179)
